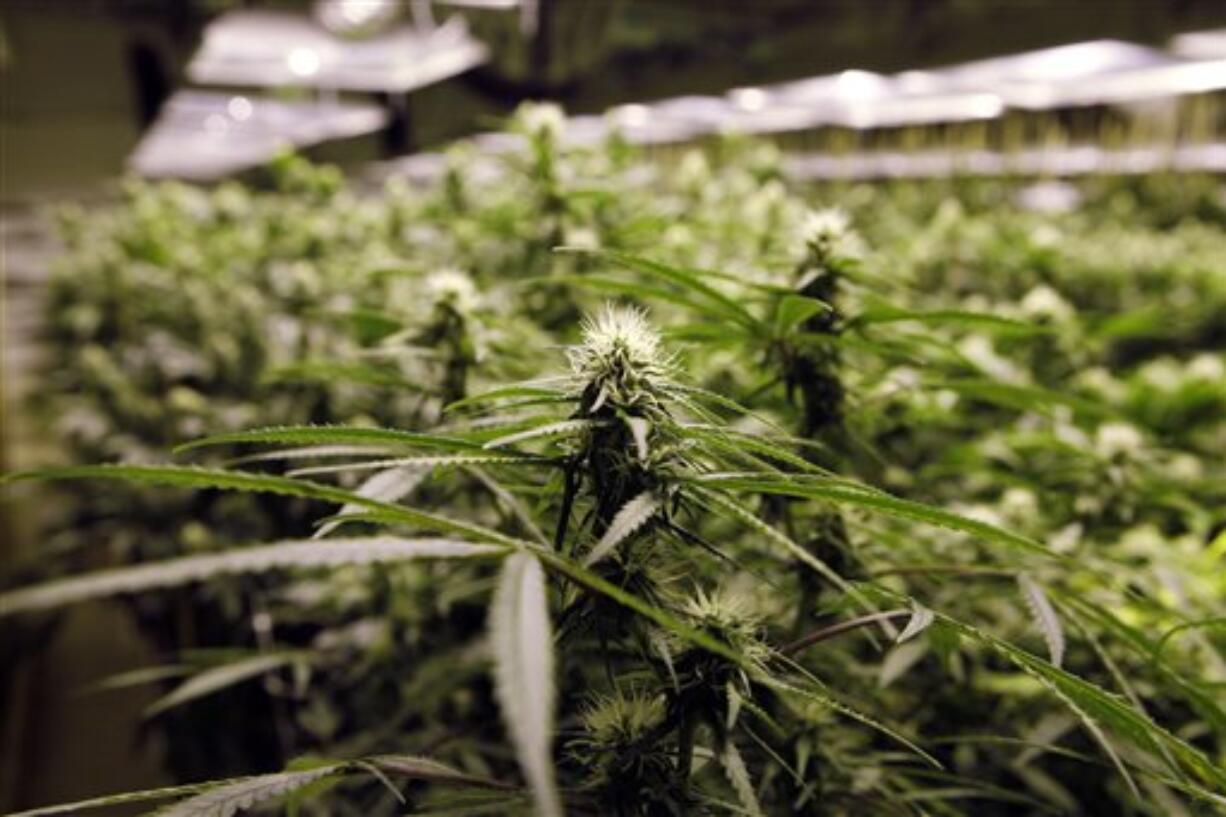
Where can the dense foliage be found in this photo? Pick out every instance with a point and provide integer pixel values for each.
(904, 502)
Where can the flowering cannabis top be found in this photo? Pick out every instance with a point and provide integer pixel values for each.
(620, 356)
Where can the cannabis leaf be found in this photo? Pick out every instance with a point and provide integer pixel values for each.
(281, 555)
(391, 485)
(738, 776)
(523, 673)
(632, 516)
(215, 679)
(228, 799)
(1044, 616)
(919, 621)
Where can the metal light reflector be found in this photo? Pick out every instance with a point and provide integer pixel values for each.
(1047, 78)
(861, 100)
(269, 49)
(355, 17)
(1200, 45)
(202, 135)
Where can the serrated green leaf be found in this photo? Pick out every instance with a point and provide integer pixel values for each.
(825, 699)
(331, 435)
(109, 800)
(195, 477)
(391, 485)
(793, 310)
(518, 390)
(422, 463)
(215, 679)
(1044, 616)
(424, 768)
(882, 313)
(628, 519)
(1103, 709)
(880, 502)
(229, 798)
(548, 429)
(690, 281)
(522, 642)
(898, 660)
(738, 777)
(920, 619)
(747, 517)
(282, 555)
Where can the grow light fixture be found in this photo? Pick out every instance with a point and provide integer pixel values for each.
(1200, 45)
(270, 49)
(861, 100)
(1150, 83)
(350, 17)
(1081, 74)
(202, 135)
(645, 124)
(303, 62)
(1049, 78)
(494, 5)
(1057, 162)
(749, 99)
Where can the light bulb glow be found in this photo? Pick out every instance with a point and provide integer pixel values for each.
(239, 108)
(303, 62)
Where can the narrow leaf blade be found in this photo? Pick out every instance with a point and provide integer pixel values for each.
(1044, 615)
(215, 679)
(632, 516)
(280, 555)
(524, 673)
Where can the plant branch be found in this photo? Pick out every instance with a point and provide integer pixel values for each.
(568, 499)
(804, 642)
(954, 570)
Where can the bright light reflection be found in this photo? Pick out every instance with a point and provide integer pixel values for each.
(345, 16)
(985, 106)
(858, 84)
(303, 62)
(918, 82)
(358, 12)
(239, 108)
(1082, 59)
(632, 116)
(749, 99)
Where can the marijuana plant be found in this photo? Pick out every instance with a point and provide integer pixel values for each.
(691, 700)
(924, 522)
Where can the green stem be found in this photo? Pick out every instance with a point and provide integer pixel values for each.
(568, 501)
(954, 570)
(825, 633)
